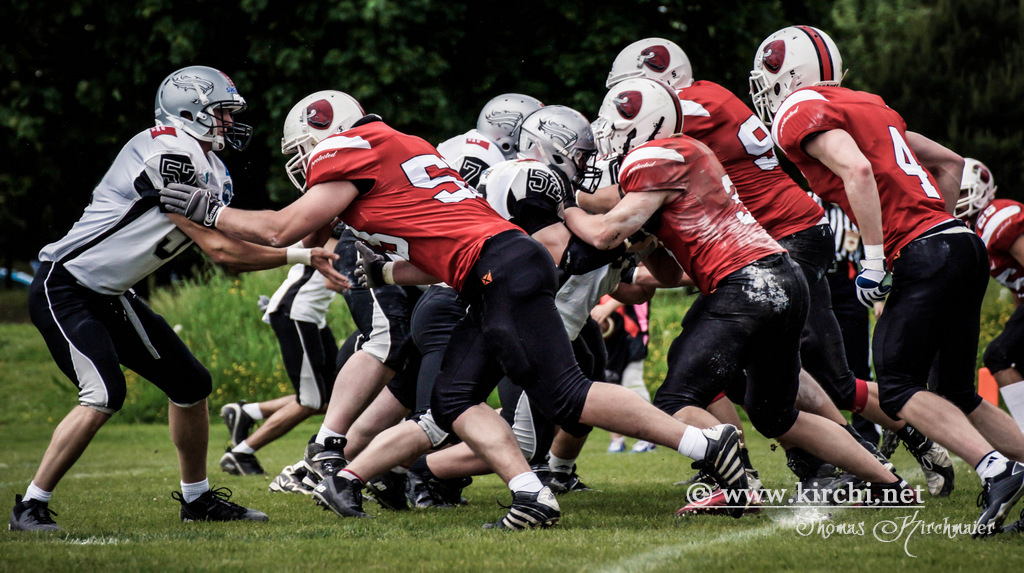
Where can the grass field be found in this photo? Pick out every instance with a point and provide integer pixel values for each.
(117, 514)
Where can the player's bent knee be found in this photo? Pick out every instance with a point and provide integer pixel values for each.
(772, 422)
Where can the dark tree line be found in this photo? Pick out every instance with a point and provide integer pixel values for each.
(80, 76)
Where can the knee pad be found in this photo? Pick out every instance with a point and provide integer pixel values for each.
(437, 436)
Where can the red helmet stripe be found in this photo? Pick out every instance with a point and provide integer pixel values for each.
(825, 64)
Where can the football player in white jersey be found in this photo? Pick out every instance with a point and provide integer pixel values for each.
(93, 323)
(495, 138)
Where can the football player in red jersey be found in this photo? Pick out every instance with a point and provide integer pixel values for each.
(396, 192)
(1000, 224)
(856, 152)
(743, 145)
(756, 296)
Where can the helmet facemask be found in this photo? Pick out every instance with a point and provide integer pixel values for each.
(634, 112)
(561, 138)
(977, 190)
(189, 100)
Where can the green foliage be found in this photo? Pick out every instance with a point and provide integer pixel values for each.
(950, 67)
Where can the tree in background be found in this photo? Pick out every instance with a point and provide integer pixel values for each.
(80, 79)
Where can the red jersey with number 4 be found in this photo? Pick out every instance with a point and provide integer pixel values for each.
(411, 202)
(999, 226)
(707, 228)
(743, 145)
(910, 199)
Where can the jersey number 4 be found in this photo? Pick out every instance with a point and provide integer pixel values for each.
(908, 163)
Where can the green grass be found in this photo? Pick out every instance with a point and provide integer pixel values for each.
(117, 513)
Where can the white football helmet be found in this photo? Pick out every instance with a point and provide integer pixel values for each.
(977, 189)
(501, 119)
(312, 120)
(634, 112)
(655, 58)
(188, 98)
(561, 138)
(792, 58)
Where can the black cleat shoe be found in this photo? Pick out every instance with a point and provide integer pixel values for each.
(213, 505)
(872, 448)
(389, 490)
(238, 422)
(893, 494)
(700, 477)
(32, 515)
(890, 441)
(342, 496)
(290, 479)
(560, 481)
(722, 460)
(937, 467)
(238, 464)
(998, 495)
(530, 511)
(1016, 526)
(324, 460)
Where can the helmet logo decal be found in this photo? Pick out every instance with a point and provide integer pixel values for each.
(190, 82)
(558, 132)
(505, 119)
(773, 55)
(656, 58)
(320, 114)
(983, 174)
(628, 103)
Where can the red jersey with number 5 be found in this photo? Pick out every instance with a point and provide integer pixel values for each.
(411, 202)
(743, 145)
(909, 196)
(999, 226)
(706, 228)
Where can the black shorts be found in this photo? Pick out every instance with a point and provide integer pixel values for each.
(821, 344)
(91, 335)
(1007, 349)
(743, 337)
(512, 328)
(932, 315)
(381, 314)
(309, 354)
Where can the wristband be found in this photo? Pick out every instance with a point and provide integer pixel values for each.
(296, 255)
(216, 216)
(388, 273)
(874, 252)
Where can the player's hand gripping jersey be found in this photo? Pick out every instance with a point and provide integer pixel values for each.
(999, 225)
(707, 228)
(411, 202)
(910, 199)
(123, 236)
(744, 146)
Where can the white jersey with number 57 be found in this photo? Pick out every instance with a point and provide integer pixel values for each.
(123, 236)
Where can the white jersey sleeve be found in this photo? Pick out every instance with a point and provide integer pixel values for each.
(123, 236)
(471, 154)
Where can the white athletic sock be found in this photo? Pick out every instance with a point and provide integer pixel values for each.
(34, 492)
(694, 444)
(243, 448)
(526, 481)
(192, 491)
(325, 433)
(991, 465)
(1013, 395)
(560, 464)
(253, 410)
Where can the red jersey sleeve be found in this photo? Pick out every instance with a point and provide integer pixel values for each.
(361, 161)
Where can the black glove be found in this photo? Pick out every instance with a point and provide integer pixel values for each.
(370, 267)
(197, 204)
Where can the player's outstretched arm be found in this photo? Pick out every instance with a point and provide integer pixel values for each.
(609, 230)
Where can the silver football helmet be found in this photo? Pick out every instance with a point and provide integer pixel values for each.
(792, 58)
(561, 138)
(188, 100)
(310, 121)
(977, 189)
(655, 58)
(501, 119)
(634, 112)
